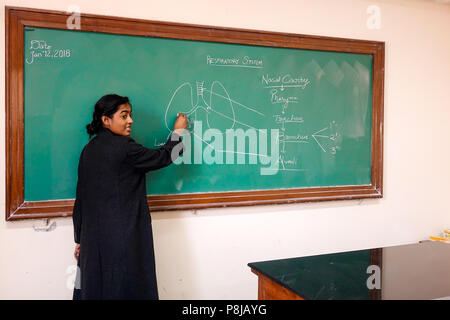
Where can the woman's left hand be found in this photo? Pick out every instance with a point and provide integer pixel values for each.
(77, 251)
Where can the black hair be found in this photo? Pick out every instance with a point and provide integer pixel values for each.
(106, 106)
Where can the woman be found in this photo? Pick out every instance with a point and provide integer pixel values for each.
(112, 224)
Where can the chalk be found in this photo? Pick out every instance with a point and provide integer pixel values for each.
(439, 239)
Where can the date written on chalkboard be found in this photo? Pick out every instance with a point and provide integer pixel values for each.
(39, 49)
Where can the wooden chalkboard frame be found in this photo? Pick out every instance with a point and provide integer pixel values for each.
(16, 18)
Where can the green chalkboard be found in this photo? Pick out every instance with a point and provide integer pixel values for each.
(261, 118)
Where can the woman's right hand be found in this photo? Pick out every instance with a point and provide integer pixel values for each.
(180, 123)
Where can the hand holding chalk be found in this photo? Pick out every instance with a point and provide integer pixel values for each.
(180, 123)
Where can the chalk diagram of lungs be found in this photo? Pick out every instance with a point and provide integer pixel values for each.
(218, 112)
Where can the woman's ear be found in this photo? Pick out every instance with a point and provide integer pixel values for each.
(106, 121)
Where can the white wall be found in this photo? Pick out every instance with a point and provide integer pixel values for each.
(204, 254)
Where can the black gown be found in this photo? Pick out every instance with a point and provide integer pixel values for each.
(111, 217)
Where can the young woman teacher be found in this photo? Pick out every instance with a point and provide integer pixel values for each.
(112, 224)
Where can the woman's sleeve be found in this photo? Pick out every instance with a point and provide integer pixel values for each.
(76, 214)
(145, 159)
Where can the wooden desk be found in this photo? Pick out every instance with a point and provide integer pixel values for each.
(339, 276)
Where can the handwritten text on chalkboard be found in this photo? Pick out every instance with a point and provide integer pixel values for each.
(244, 62)
(39, 49)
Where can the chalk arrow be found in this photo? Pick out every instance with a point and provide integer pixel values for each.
(314, 135)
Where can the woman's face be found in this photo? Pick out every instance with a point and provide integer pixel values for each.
(121, 121)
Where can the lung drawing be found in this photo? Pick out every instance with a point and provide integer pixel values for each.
(213, 107)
